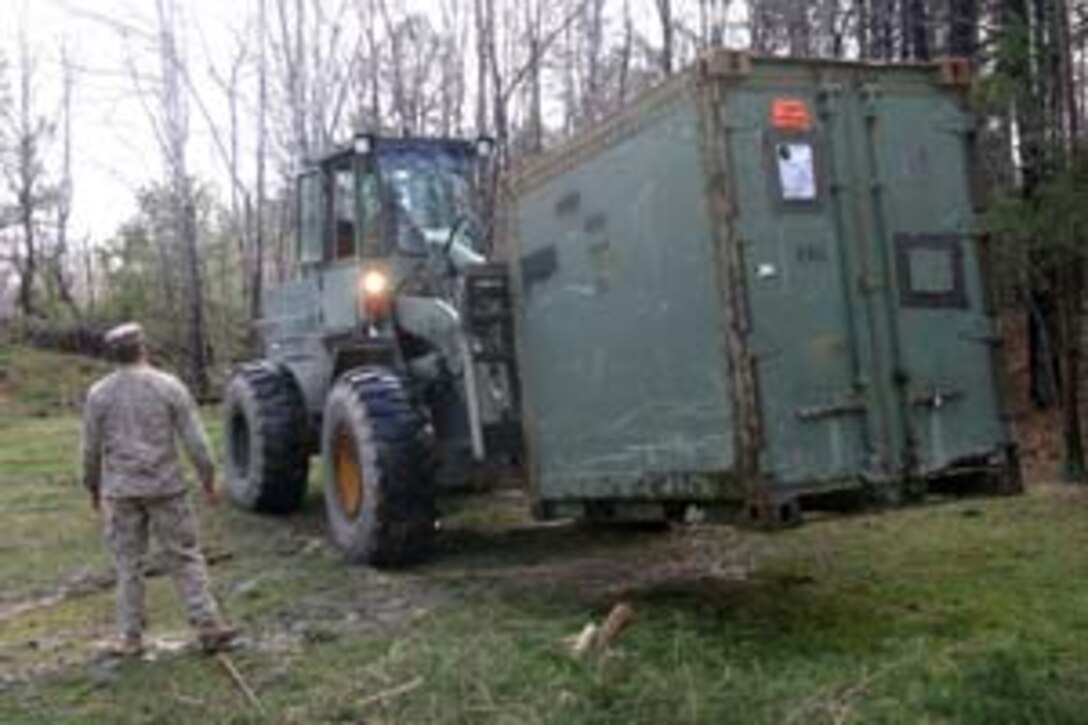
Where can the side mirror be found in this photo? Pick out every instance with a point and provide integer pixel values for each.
(363, 144)
(485, 147)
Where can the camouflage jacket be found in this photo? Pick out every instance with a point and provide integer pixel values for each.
(130, 421)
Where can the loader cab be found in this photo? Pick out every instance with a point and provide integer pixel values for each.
(394, 332)
(381, 199)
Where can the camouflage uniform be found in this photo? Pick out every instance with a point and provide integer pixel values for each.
(130, 458)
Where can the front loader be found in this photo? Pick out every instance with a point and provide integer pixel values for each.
(390, 353)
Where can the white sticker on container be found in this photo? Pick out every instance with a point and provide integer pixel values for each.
(796, 172)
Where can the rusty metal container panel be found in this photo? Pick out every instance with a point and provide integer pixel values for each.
(759, 283)
(624, 373)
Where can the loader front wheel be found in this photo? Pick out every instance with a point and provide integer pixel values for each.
(377, 454)
(265, 439)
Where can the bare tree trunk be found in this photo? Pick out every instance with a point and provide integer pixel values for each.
(800, 36)
(1072, 273)
(175, 124)
(301, 94)
(316, 85)
(625, 52)
(256, 281)
(498, 102)
(963, 28)
(1066, 81)
(499, 121)
(89, 279)
(1015, 63)
(29, 266)
(241, 217)
(570, 80)
(713, 22)
(834, 15)
(64, 195)
(28, 138)
(1071, 292)
(483, 22)
(915, 29)
(665, 20)
(593, 27)
(293, 61)
(757, 27)
(397, 53)
(861, 10)
(451, 91)
(374, 122)
(533, 21)
(881, 29)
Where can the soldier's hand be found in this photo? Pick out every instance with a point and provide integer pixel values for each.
(213, 494)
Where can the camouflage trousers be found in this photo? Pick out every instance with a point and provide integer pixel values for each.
(170, 519)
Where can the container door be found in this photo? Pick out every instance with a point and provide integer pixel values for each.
(784, 170)
(921, 230)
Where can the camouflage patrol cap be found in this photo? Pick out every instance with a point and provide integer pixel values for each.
(128, 333)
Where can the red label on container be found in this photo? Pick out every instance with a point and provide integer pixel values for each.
(790, 114)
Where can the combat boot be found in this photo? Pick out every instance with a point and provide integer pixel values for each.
(125, 647)
(216, 637)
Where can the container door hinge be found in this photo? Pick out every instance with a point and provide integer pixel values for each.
(723, 63)
(935, 397)
(849, 406)
(954, 72)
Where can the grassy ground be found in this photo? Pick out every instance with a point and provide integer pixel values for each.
(973, 612)
(37, 383)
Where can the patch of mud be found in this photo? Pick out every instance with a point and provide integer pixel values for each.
(62, 651)
(577, 566)
(591, 566)
(83, 583)
(72, 651)
(354, 609)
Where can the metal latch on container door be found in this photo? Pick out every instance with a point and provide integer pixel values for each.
(983, 338)
(848, 406)
(935, 398)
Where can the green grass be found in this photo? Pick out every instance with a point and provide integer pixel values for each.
(968, 612)
(38, 383)
(928, 615)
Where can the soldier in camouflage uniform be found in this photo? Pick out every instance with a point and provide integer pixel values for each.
(131, 468)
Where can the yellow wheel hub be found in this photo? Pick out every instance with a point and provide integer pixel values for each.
(349, 475)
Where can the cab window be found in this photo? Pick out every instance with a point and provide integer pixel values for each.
(311, 218)
(342, 244)
(370, 206)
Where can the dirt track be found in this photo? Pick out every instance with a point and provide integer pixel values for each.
(505, 556)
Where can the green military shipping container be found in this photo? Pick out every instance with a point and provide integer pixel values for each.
(759, 289)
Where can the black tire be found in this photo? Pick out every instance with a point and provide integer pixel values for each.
(377, 453)
(265, 438)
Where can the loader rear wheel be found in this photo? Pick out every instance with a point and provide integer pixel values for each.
(265, 439)
(377, 452)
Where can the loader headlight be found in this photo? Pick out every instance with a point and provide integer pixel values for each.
(375, 304)
(375, 283)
